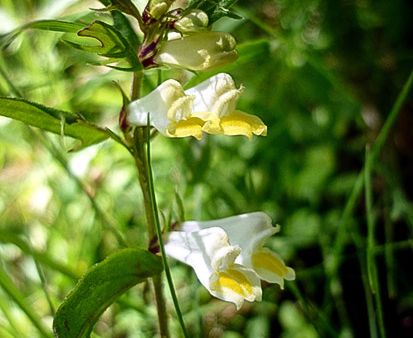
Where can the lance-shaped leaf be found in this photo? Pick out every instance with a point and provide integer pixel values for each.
(53, 120)
(104, 39)
(100, 287)
(46, 25)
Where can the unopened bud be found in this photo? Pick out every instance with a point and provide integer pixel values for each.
(200, 51)
(195, 21)
(157, 8)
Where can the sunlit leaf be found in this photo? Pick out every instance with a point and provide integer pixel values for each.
(111, 44)
(53, 120)
(100, 287)
(47, 25)
(97, 37)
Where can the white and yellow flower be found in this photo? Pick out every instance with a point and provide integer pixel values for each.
(208, 107)
(169, 110)
(215, 102)
(249, 232)
(228, 255)
(213, 258)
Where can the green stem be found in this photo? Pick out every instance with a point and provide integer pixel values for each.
(144, 180)
(160, 239)
(371, 245)
(140, 157)
(369, 281)
(343, 226)
(142, 161)
(368, 195)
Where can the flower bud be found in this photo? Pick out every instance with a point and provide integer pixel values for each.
(195, 21)
(157, 8)
(200, 51)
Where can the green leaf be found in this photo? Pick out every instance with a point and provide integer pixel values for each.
(97, 37)
(100, 287)
(123, 25)
(126, 6)
(53, 120)
(55, 26)
(111, 44)
(47, 25)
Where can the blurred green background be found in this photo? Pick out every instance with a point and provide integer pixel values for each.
(323, 75)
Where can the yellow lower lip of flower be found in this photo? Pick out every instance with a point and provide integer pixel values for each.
(213, 126)
(235, 281)
(239, 123)
(188, 127)
(266, 263)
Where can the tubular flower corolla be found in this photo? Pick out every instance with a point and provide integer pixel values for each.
(210, 254)
(228, 255)
(208, 107)
(215, 102)
(169, 110)
(249, 232)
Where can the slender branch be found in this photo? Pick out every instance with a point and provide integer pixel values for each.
(140, 157)
(344, 227)
(160, 239)
(338, 246)
(140, 161)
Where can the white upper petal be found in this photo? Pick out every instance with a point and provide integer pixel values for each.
(248, 231)
(164, 104)
(216, 95)
(200, 249)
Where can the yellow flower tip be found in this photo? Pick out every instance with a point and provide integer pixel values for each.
(236, 285)
(240, 123)
(271, 268)
(261, 131)
(189, 127)
(290, 275)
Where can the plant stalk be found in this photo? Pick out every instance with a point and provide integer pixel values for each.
(140, 157)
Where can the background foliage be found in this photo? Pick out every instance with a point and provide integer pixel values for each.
(322, 74)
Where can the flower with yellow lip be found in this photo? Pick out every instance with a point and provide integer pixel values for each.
(213, 258)
(169, 110)
(208, 107)
(215, 101)
(249, 232)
